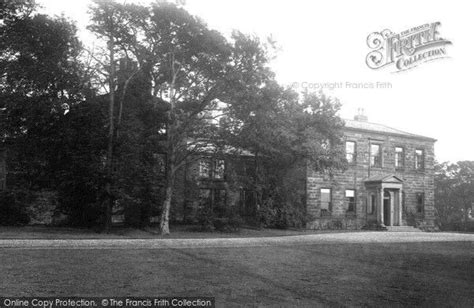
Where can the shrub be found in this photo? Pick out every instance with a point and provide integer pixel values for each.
(373, 225)
(283, 216)
(235, 222)
(205, 219)
(231, 223)
(42, 207)
(227, 221)
(12, 212)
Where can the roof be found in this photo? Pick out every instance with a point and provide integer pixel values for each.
(211, 148)
(380, 128)
(384, 179)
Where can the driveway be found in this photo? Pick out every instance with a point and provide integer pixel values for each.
(310, 239)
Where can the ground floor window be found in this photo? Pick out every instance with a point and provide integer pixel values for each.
(219, 202)
(326, 204)
(248, 207)
(350, 200)
(420, 202)
(213, 200)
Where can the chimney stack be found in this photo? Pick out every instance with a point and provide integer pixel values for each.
(360, 116)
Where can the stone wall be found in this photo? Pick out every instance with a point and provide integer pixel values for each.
(414, 181)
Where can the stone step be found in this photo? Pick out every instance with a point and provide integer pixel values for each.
(402, 229)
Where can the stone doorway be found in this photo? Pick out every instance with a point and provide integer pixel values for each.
(387, 191)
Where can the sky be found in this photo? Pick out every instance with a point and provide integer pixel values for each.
(323, 45)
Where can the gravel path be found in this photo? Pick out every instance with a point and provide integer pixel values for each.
(310, 239)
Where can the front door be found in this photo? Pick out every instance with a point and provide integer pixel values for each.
(386, 208)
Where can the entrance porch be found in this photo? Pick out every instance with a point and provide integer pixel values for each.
(384, 195)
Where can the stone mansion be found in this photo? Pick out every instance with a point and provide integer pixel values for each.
(389, 181)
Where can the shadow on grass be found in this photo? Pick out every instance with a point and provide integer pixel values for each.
(178, 232)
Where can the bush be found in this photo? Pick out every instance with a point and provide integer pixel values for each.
(205, 219)
(80, 203)
(42, 207)
(373, 225)
(12, 212)
(228, 220)
(282, 216)
(136, 212)
(458, 226)
(228, 224)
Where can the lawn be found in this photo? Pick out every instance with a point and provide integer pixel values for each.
(438, 274)
(177, 231)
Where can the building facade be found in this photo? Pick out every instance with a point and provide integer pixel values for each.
(389, 181)
(215, 184)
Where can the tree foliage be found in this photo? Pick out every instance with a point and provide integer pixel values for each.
(40, 82)
(285, 131)
(160, 82)
(454, 193)
(52, 129)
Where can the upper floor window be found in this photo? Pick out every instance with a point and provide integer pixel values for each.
(212, 168)
(375, 155)
(350, 152)
(419, 159)
(350, 200)
(219, 168)
(325, 201)
(205, 168)
(399, 158)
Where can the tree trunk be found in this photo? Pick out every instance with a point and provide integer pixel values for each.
(110, 144)
(466, 217)
(164, 223)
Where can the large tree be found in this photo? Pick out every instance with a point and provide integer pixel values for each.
(285, 131)
(52, 123)
(198, 77)
(454, 193)
(41, 79)
(115, 24)
(189, 77)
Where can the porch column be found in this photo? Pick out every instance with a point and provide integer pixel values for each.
(392, 207)
(400, 206)
(380, 207)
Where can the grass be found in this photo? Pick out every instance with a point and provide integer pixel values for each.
(178, 231)
(436, 274)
